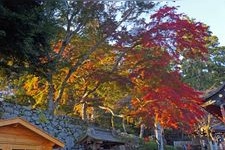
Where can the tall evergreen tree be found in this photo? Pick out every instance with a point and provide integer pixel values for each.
(25, 32)
(208, 73)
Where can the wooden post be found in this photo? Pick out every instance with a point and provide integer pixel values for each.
(142, 129)
(84, 111)
(159, 136)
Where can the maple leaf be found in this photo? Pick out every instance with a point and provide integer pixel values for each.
(160, 93)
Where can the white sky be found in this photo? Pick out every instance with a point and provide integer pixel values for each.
(210, 12)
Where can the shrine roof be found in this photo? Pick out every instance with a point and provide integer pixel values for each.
(213, 99)
(102, 135)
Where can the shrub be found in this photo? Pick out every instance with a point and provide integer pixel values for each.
(153, 146)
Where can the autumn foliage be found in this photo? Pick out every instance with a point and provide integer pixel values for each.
(146, 62)
(175, 33)
(160, 95)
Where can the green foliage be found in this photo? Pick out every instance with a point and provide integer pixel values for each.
(103, 119)
(148, 146)
(25, 34)
(153, 146)
(168, 147)
(42, 118)
(205, 74)
(25, 100)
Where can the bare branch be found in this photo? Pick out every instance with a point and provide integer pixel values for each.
(121, 57)
(111, 111)
(87, 55)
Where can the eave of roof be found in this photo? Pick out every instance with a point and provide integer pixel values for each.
(213, 99)
(210, 94)
(33, 128)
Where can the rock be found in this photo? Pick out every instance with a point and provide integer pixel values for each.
(64, 128)
(70, 142)
(8, 115)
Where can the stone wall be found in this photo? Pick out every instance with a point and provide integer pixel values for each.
(66, 129)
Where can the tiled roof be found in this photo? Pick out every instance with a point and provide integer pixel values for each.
(212, 92)
(102, 135)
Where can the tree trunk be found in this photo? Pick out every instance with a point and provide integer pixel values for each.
(112, 122)
(84, 112)
(142, 129)
(124, 126)
(50, 99)
(93, 115)
(159, 136)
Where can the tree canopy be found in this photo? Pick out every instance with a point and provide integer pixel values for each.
(26, 34)
(76, 56)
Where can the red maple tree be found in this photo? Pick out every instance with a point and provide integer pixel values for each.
(160, 94)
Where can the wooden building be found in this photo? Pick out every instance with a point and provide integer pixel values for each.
(18, 134)
(215, 102)
(100, 139)
(215, 105)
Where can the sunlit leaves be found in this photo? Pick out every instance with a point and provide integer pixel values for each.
(36, 88)
(138, 61)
